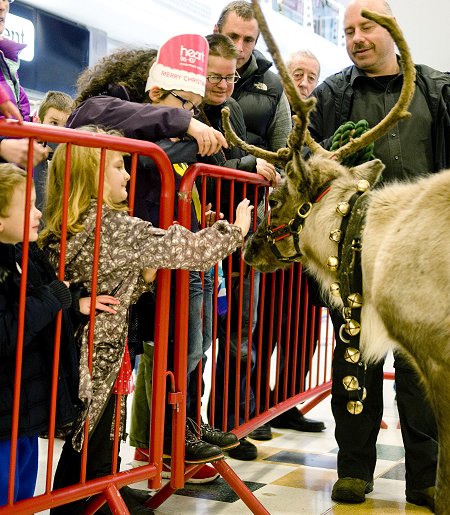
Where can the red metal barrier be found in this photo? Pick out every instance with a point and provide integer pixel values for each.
(106, 487)
(297, 360)
(300, 344)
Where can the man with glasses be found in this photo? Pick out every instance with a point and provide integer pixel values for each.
(220, 78)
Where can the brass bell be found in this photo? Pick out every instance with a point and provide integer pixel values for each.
(353, 327)
(333, 263)
(352, 355)
(336, 235)
(343, 208)
(355, 407)
(362, 185)
(350, 383)
(347, 313)
(335, 289)
(364, 394)
(341, 334)
(355, 300)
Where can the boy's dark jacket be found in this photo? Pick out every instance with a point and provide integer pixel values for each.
(42, 306)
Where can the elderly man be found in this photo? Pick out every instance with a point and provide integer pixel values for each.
(304, 68)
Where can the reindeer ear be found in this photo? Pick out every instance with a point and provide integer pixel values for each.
(371, 171)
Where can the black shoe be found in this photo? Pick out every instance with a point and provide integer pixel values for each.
(261, 433)
(197, 451)
(245, 451)
(293, 419)
(422, 497)
(213, 436)
(133, 498)
(351, 490)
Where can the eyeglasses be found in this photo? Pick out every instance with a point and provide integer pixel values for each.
(231, 79)
(186, 104)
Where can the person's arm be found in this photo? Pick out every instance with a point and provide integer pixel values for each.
(7, 107)
(281, 125)
(143, 245)
(146, 122)
(140, 121)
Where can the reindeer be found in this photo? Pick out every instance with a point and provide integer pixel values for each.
(402, 245)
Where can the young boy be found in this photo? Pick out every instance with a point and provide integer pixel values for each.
(54, 109)
(45, 297)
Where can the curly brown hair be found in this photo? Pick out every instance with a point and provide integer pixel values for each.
(124, 69)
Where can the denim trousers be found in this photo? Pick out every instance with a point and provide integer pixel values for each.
(234, 381)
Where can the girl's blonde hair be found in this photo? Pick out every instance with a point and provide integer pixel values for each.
(84, 177)
(11, 177)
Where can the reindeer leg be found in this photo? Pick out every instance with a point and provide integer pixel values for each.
(436, 379)
(441, 404)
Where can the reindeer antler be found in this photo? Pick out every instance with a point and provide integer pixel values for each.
(399, 111)
(235, 140)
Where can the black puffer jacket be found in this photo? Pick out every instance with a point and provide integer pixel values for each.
(45, 297)
(258, 94)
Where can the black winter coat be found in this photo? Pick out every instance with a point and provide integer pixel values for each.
(335, 100)
(42, 306)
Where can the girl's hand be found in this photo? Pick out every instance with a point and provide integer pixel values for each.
(101, 304)
(211, 216)
(243, 216)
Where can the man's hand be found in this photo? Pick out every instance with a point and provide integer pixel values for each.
(16, 151)
(209, 140)
(211, 216)
(267, 170)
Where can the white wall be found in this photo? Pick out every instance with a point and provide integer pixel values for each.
(425, 27)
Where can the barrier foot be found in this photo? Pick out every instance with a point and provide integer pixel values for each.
(230, 477)
(167, 490)
(113, 498)
(239, 487)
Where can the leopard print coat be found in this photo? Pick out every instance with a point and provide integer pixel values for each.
(127, 246)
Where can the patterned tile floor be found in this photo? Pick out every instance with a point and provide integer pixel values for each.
(295, 472)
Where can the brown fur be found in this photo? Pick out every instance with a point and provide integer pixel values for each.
(406, 273)
(405, 243)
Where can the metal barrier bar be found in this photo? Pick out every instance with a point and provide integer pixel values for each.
(288, 337)
(107, 486)
(317, 389)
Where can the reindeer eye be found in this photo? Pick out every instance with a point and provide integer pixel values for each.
(273, 203)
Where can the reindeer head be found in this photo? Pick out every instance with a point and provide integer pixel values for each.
(283, 235)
